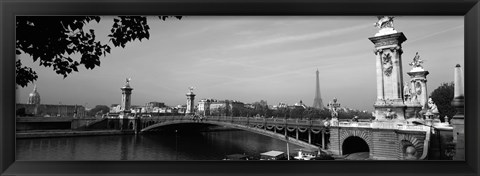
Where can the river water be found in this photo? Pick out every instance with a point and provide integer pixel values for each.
(213, 145)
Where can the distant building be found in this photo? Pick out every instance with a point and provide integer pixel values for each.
(153, 107)
(136, 109)
(180, 109)
(249, 106)
(34, 97)
(49, 110)
(299, 105)
(226, 107)
(282, 105)
(204, 106)
(35, 108)
(154, 104)
(115, 108)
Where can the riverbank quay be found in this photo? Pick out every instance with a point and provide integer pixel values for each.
(68, 133)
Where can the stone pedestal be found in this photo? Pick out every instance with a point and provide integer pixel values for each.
(388, 50)
(190, 104)
(458, 120)
(458, 123)
(418, 81)
(126, 100)
(412, 111)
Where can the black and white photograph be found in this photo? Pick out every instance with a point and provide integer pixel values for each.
(222, 88)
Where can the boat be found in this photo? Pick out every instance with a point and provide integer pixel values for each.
(306, 154)
(236, 157)
(272, 155)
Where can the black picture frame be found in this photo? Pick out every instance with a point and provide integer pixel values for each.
(470, 9)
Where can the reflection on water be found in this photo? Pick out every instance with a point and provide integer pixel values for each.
(191, 146)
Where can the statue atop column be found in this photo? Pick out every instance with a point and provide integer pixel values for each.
(416, 63)
(191, 89)
(127, 82)
(332, 106)
(385, 24)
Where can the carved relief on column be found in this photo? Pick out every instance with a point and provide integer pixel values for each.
(397, 77)
(387, 64)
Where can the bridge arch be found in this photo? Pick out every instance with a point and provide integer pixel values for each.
(354, 144)
(254, 129)
(130, 125)
(111, 124)
(353, 141)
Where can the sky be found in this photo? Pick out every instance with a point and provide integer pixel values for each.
(252, 58)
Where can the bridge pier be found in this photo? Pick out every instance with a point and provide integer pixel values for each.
(323, 139)
(296, 135)
(309, 136)
(137, 124)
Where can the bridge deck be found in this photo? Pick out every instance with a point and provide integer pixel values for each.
(241, 120)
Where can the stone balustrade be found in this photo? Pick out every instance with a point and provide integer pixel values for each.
(383, 125)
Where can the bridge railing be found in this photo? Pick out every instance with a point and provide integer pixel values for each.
(383, 125)
(269, 120)
(279, 121)
(237, 120)
(317, 122)
(288, 122)
(304, 122)
(291, 121)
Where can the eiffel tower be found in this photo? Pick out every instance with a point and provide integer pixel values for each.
(317, 102)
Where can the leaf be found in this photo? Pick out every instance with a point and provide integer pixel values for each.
(75, 68)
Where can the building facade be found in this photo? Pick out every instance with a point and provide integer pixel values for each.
(33, 107)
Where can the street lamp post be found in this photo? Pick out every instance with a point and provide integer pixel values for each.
(176, 146)
(286, 139)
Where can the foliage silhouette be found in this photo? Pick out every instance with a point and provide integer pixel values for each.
(442, 96)
(53, 40)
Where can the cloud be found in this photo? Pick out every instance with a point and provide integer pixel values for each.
(304, 37)
(437, 33)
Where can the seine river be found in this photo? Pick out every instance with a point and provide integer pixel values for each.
(213, 145)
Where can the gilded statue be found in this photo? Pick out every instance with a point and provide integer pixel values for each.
(417, 62)
(191, 89)
(384, 22)
(127, 81)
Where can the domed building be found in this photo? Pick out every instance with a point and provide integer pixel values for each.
(34, 108)
(34, 97)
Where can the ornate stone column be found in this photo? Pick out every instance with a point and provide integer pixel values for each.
(388, 51)
(126, 97)
(458, 121)
(190, 102)
(417, 89)
(418, 80)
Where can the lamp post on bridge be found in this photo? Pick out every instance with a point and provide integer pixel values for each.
(324, 130)
(286, 138)
(333, 106)
(176, 146)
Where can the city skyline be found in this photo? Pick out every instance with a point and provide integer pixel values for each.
(251, 59)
